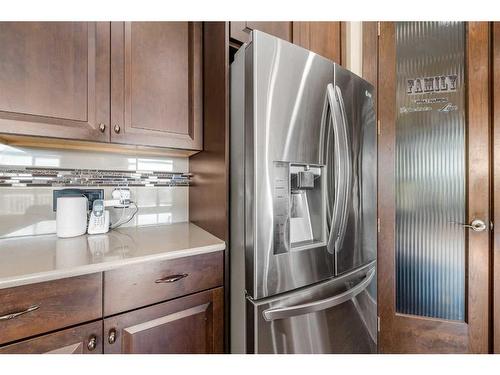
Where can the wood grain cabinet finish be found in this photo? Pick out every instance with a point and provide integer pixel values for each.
(43, 307)
(140, 285)
(84, 339)
(322, 38)
(157, 84)
(54, 79)
(188, 325)
(240, 30)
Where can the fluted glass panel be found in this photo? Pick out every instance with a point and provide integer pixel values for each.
(430, 169)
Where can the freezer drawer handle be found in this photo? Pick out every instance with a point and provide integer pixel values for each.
(307, 308)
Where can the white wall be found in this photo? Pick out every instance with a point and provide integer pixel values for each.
(354, 47)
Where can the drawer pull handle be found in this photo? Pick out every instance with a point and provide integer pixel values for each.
(19, 313)
(92, 344)
(112, 336)
(171, 278)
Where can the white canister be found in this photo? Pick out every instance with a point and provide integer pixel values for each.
(71, 216)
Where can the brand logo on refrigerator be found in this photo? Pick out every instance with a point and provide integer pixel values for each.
(425, 85)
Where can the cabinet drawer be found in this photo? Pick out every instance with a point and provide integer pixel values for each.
(33, 309)
(84, 339)
(147, 283)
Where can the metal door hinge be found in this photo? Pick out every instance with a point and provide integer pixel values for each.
(378, 225)
(378, 323)
(378, 127)
(378, 28)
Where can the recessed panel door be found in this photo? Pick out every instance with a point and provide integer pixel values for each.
(54, 79)
(156, 84)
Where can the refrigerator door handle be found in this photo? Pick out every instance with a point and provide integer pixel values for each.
(311, 307)
(340, 173)
(347, 163)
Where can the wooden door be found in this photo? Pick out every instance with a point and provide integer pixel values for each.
(157, 84)
(188, 325)
(84, 339)
(322, 38)
(240, 31)
(54, 79)
(405, 333)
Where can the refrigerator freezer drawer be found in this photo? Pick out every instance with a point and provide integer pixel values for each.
(336, 316)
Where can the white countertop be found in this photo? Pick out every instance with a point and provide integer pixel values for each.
(33, 259)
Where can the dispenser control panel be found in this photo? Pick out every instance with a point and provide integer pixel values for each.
(281, 207)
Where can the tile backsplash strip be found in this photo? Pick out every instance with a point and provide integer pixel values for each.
(28, 176)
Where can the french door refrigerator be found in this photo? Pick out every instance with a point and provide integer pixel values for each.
(303, 203)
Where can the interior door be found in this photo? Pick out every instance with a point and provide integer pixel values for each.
(54, 79)
(433, 188)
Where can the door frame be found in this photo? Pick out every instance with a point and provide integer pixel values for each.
(495, 103)
(411, 334)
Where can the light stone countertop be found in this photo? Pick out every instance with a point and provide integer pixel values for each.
(33, 259)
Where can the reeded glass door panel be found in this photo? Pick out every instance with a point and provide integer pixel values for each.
(430, 169)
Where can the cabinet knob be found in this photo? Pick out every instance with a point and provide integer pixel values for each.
(112, 336)
(92, 344)
(102, 127)
(117, 129)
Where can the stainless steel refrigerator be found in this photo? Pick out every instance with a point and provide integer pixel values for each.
(303, 203)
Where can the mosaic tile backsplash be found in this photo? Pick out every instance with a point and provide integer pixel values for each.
(28, 176)
(22, 177)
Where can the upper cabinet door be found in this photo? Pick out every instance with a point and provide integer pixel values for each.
(157, 84)
(322, 38)
(54, 79)
(240, 31)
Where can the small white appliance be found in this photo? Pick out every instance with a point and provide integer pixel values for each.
(71, 216)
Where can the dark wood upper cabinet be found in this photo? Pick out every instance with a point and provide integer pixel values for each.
(240, 31)
(157, 84)
(54, 79)
(188, 325)
(322, 38)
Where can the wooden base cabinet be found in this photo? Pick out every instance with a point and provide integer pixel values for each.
(84, 339)
(188, 325)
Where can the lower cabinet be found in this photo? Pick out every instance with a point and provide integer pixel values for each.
(192, 324)
(84, 339)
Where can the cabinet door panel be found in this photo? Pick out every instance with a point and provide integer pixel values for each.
(282, 30)
(84, 339)
(192, 324)
(54, 79)
(157, 84)
(322, 38)
(240, 31)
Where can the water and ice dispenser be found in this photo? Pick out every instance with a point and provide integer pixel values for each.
(298, 207)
